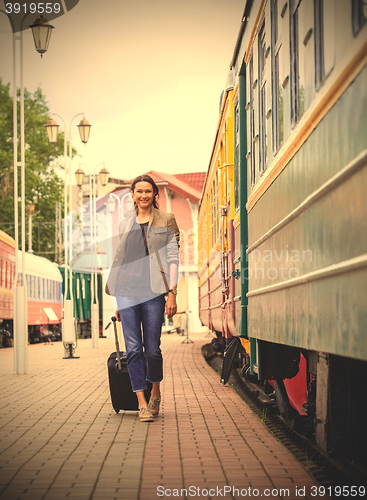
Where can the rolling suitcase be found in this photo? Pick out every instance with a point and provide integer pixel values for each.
(122, 395)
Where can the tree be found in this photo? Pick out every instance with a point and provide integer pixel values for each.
(43, 186)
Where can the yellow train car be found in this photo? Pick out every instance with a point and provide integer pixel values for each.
(219, 291)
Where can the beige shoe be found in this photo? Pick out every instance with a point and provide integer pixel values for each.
(145, 414)
(154, 406)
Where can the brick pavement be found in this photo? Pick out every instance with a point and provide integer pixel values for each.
(60, 438)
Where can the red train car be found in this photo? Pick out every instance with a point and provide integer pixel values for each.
(7, 272)
(44, 293)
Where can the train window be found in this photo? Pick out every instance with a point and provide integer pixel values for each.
(12, 271)
(278, 116)
(319, 43)
(237, 159)
(262, 100)
(252, 119)
(1, 272)
(324, 12)
(211, 217)
(329, 34)
(359, 14)
(218, 190)
(297, 64)
(215, 197)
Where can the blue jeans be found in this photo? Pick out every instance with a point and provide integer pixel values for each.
(139, 315)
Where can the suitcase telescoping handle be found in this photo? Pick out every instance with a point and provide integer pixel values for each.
(113, 319)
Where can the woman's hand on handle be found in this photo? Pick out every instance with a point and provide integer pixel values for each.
(117, 314)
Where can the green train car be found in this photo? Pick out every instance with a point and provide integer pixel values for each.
(82, 300)
(294, 263)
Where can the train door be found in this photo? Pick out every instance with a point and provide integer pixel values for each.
(222, 202)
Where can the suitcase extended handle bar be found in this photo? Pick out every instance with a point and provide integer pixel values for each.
(113, 319)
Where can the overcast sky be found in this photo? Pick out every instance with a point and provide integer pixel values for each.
(148, 75)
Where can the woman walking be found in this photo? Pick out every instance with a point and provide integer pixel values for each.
(144, 272)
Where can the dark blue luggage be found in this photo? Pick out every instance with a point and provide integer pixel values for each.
(122, 395)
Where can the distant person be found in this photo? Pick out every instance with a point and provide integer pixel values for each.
(143, 279)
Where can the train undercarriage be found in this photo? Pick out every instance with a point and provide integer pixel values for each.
(318, 395)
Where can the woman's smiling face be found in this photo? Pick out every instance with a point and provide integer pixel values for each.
(143, 195)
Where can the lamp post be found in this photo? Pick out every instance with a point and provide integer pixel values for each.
(103, 177)
(30, 209)
(68, 327)
(20, 328)
(41, 32)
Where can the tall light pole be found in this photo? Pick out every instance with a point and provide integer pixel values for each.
(68, 327)
(30, 209)
(41, 35)
(103, 177)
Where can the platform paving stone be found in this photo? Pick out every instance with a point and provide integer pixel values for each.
(61, 439)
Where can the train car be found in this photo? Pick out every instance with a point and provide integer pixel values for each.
(219, 294)
(7, 271)
(300, 156)
(81, 287)
(44, 289)
(44, 294)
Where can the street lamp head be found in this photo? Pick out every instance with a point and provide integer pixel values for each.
(104, 175)
(84, 130)
(52, 131)
(111, 204)
(79, 175)
(41, 30)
